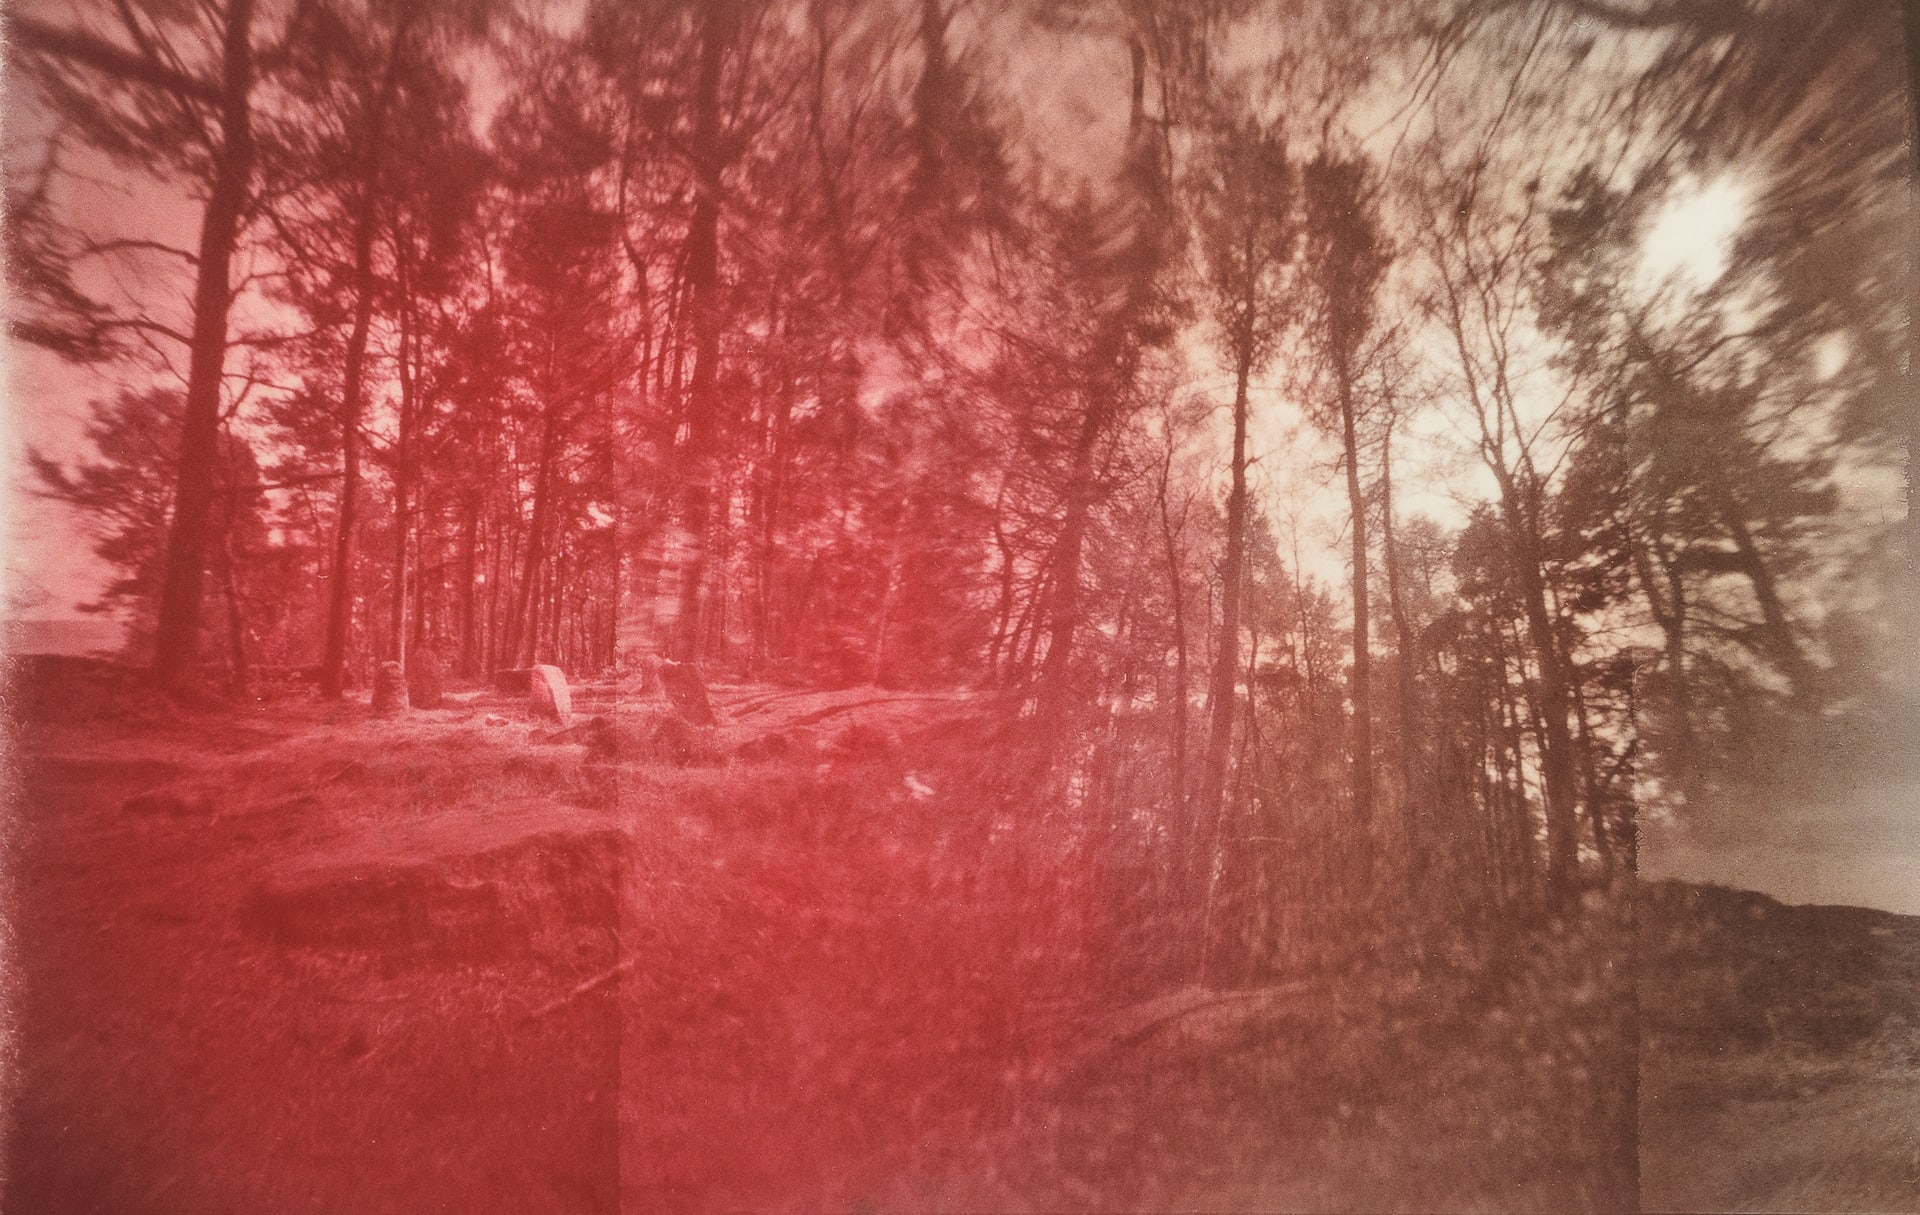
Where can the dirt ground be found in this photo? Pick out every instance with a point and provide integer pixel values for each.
(298, 957)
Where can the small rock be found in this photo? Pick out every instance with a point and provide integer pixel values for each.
(673, 742)
(862, 741)
(549, 696)
(389, 688)
(426, 679)
(607, 742)
(494, 719)
(767, 746)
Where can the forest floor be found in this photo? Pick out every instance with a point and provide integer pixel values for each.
(299, 957)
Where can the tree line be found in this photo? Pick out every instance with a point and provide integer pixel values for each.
(860, 341)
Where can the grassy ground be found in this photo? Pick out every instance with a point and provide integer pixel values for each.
(1780, 1063)
(825, 958)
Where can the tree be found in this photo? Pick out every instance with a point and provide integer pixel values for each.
(125, 493)
(1719, 511)
(1247, 233)
(1116, 251)
(176, 99)
(1343, 260)
(369, 102)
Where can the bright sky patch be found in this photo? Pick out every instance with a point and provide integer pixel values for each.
(1691, 238)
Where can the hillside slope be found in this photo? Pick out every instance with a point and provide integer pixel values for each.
(1779, 1054)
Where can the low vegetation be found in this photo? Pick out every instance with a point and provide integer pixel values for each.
(499, 971)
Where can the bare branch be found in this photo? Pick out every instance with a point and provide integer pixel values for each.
(103, 248)
(88, 50)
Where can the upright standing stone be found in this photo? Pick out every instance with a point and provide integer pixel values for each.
(549, 695)
(426, 685)
(686, 692)
(389, 688)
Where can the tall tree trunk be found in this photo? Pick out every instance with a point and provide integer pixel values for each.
(1412, 780)
(177, 636)
(1591, 792)
(496, 543)
(366, 221)
(1108, 375)
(403, 474)
(1002, 644)
(1223, 697)
(890, 590)
(340, 589)
(1362, 653)
(703, 281)
(1520, 506)
(1063, 611)
(524, 625)
(1665, 590)
(1176, 589)
(236, 619)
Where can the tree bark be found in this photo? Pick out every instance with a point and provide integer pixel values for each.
(177, 635)
(703, 282)
(1557, 763)
(1176, 590)
(1223, 696)
(1063, 610)
(523, 625)
(1411, 774)
(403, 476)
(1362, 690)
(340, 589)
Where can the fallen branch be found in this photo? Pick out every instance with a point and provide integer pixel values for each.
(1135, 1025)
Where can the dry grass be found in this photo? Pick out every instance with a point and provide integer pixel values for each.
(1781, 1067)
(457, 960)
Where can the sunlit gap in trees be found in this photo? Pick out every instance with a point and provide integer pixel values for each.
(1690, 241)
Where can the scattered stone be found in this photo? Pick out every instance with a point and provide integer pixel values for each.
(426, 679)
(672, 741)
(535, 895)
(549, 696)
(686, 692)
(368, 907)
(170, 804)
(494, 719)
(766, 746)
(862, 741)
(608, 742)
(389, 688)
